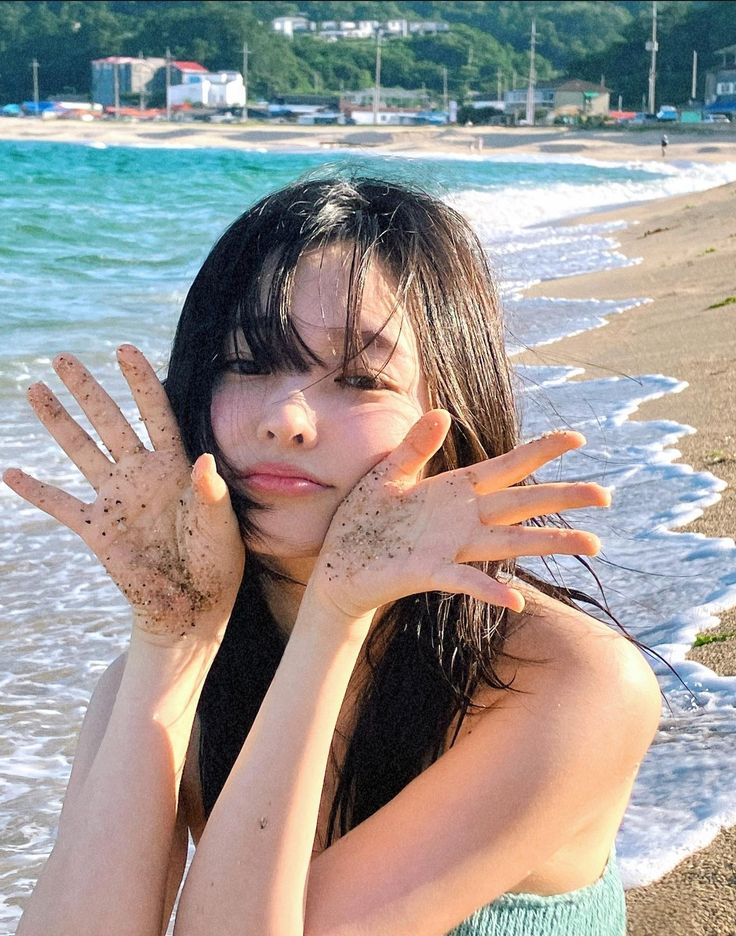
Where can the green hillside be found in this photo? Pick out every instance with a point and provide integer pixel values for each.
(487, 43)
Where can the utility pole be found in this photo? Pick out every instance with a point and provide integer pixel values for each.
(246, 53)
(168, 82)
(652, 47)
(34, 66)
(141, 87)
(532, 78)
(694, 89)
(445, 100)
(377, 84)
(116, 89)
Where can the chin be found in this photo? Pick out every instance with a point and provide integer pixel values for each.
(281, 547)
(290, 536)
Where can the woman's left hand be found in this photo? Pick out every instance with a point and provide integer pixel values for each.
(399, 534)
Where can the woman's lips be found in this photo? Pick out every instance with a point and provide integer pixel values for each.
(278, 479)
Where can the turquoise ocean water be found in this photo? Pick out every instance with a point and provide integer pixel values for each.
(98, 246)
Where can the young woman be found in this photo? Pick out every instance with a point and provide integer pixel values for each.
(371, 719)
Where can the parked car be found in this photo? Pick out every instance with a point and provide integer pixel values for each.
(227, 117)
(715, 118)
(641, 118)
(667, 113)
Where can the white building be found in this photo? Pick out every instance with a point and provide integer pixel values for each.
(288, 25)
(209, 89)
(348, 29)
(401, 116)
(333, 30)
(428, 27)
(396, 27)
(497, 103)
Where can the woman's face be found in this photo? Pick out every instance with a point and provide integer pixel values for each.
(299, 442)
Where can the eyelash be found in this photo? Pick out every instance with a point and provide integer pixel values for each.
(243, 366)
(374, 380)
(366, 381)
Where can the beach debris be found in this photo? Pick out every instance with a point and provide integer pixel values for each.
(729, 300)
(654, 231)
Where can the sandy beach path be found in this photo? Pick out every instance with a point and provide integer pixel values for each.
(688, 249)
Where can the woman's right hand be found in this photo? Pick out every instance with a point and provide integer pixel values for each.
(166, 533)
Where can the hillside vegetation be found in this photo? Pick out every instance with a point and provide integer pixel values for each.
(487, 42)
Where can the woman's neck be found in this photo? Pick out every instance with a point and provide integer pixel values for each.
(284, 589)
(283, 600)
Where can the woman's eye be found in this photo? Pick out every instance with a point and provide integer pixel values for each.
(242, 366)
(362, 381)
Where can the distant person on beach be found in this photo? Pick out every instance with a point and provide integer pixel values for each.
(665, 144)
(370, 716)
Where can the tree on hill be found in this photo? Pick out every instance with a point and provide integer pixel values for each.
(582, 39)
(681, 29)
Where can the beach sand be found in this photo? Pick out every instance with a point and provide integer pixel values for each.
(688, 250)
(706, 143)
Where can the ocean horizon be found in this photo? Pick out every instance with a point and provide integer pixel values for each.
(98, 246)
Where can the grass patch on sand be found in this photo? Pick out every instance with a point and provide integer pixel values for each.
(729, 300)
(716, 637)
(719, 457)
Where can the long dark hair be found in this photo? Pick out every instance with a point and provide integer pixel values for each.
(428, 653)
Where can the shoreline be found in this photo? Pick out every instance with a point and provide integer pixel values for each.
(687, 250)
(708, 143)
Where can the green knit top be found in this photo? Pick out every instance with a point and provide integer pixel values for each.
(595, 910)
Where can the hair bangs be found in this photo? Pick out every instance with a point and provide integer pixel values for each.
(261, 314)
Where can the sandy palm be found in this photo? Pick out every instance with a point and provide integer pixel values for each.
(398, 534)
(166, 534)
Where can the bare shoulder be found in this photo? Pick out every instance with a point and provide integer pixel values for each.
(559, 653)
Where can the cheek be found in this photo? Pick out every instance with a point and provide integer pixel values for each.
(230, 416)
(374, 431)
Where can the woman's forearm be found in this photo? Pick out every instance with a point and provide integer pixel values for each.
(250, 871)
(108, 870)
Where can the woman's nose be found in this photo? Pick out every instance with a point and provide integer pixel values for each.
(289, 421)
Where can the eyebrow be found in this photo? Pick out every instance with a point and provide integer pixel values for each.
(379, 340)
